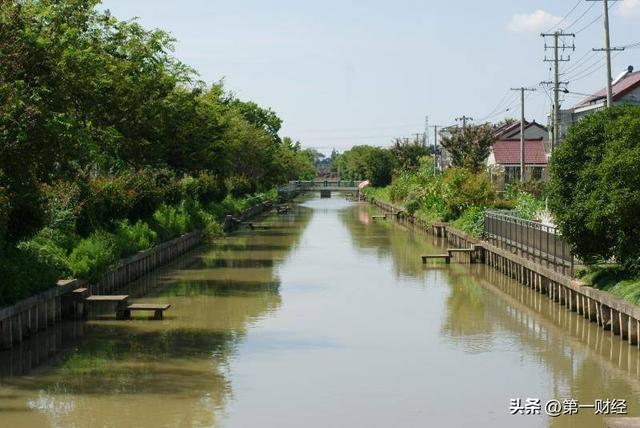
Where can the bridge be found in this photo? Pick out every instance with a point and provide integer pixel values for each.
(325, 187)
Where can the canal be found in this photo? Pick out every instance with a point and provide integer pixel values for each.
(325, 318)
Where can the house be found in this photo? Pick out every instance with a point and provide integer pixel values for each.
(626, 90)
(504, 160)
(532, 131)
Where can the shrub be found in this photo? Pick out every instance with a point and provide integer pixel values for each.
(528, 206)
(239, 186)
(93, 256)
(131, 238)
(50, 247)
(62, 200)
(471, 221)
(204, 187)
(464, 189)
(4, 215)
(105, 200)
(147, 190)
(171, 222)
(24, 273)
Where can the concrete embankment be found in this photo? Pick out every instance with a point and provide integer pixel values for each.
(609, 312)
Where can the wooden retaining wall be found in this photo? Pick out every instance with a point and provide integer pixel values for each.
(608, 311)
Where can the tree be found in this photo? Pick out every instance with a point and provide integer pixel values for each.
(375, 164)
(594, 189)
(469, 147)
(408, 154)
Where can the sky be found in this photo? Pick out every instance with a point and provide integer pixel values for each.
(342, 73)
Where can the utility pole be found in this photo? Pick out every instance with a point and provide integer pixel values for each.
(435, 149)
(607, 52)
(426, 131)
(558, 57)
(464, 120)
(522, 126)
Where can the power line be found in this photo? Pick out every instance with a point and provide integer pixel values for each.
(583, 76)
(503, 106)
(596, 19)
(377, 128)
(581, 70)
(564, 18)
(504, 98)
(361, 137)
(588, 55)
(580, 17)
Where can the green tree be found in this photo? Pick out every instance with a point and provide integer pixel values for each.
(375, 164)
(469, 147)
(594, 189)
(409, 153)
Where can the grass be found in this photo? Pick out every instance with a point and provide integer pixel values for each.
(613, 279)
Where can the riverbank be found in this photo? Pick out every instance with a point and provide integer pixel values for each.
(37, 313)
(607, 311)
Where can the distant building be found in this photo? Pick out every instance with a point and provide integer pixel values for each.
(504, 160)
(532, 131)
(626, 90)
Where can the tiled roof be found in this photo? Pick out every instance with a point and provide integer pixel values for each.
(507, 152)
(620, 89)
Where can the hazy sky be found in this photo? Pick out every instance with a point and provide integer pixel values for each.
(342, 73)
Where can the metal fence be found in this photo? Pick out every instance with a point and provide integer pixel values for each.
(533, 240)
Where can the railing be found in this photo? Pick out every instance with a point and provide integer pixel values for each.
(533, 240)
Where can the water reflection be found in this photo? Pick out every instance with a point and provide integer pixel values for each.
(390, 241)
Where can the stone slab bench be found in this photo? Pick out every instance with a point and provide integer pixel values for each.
(445, 257)
(157, 308)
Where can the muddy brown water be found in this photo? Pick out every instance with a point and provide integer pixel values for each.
(325, 319)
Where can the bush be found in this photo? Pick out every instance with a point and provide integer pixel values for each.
(93, 256)
(131, 238)
(171, 222)
(50, 247)
(62, 200)
(528, 206)
(239, 186)
(464, 189)
(24, 273)
(471, 221)
(133, 195)
(4, 215)
(205, 188)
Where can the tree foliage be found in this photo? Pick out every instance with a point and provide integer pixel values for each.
(409, 153)
(595, 186)
(470, 146)
(375, 164)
